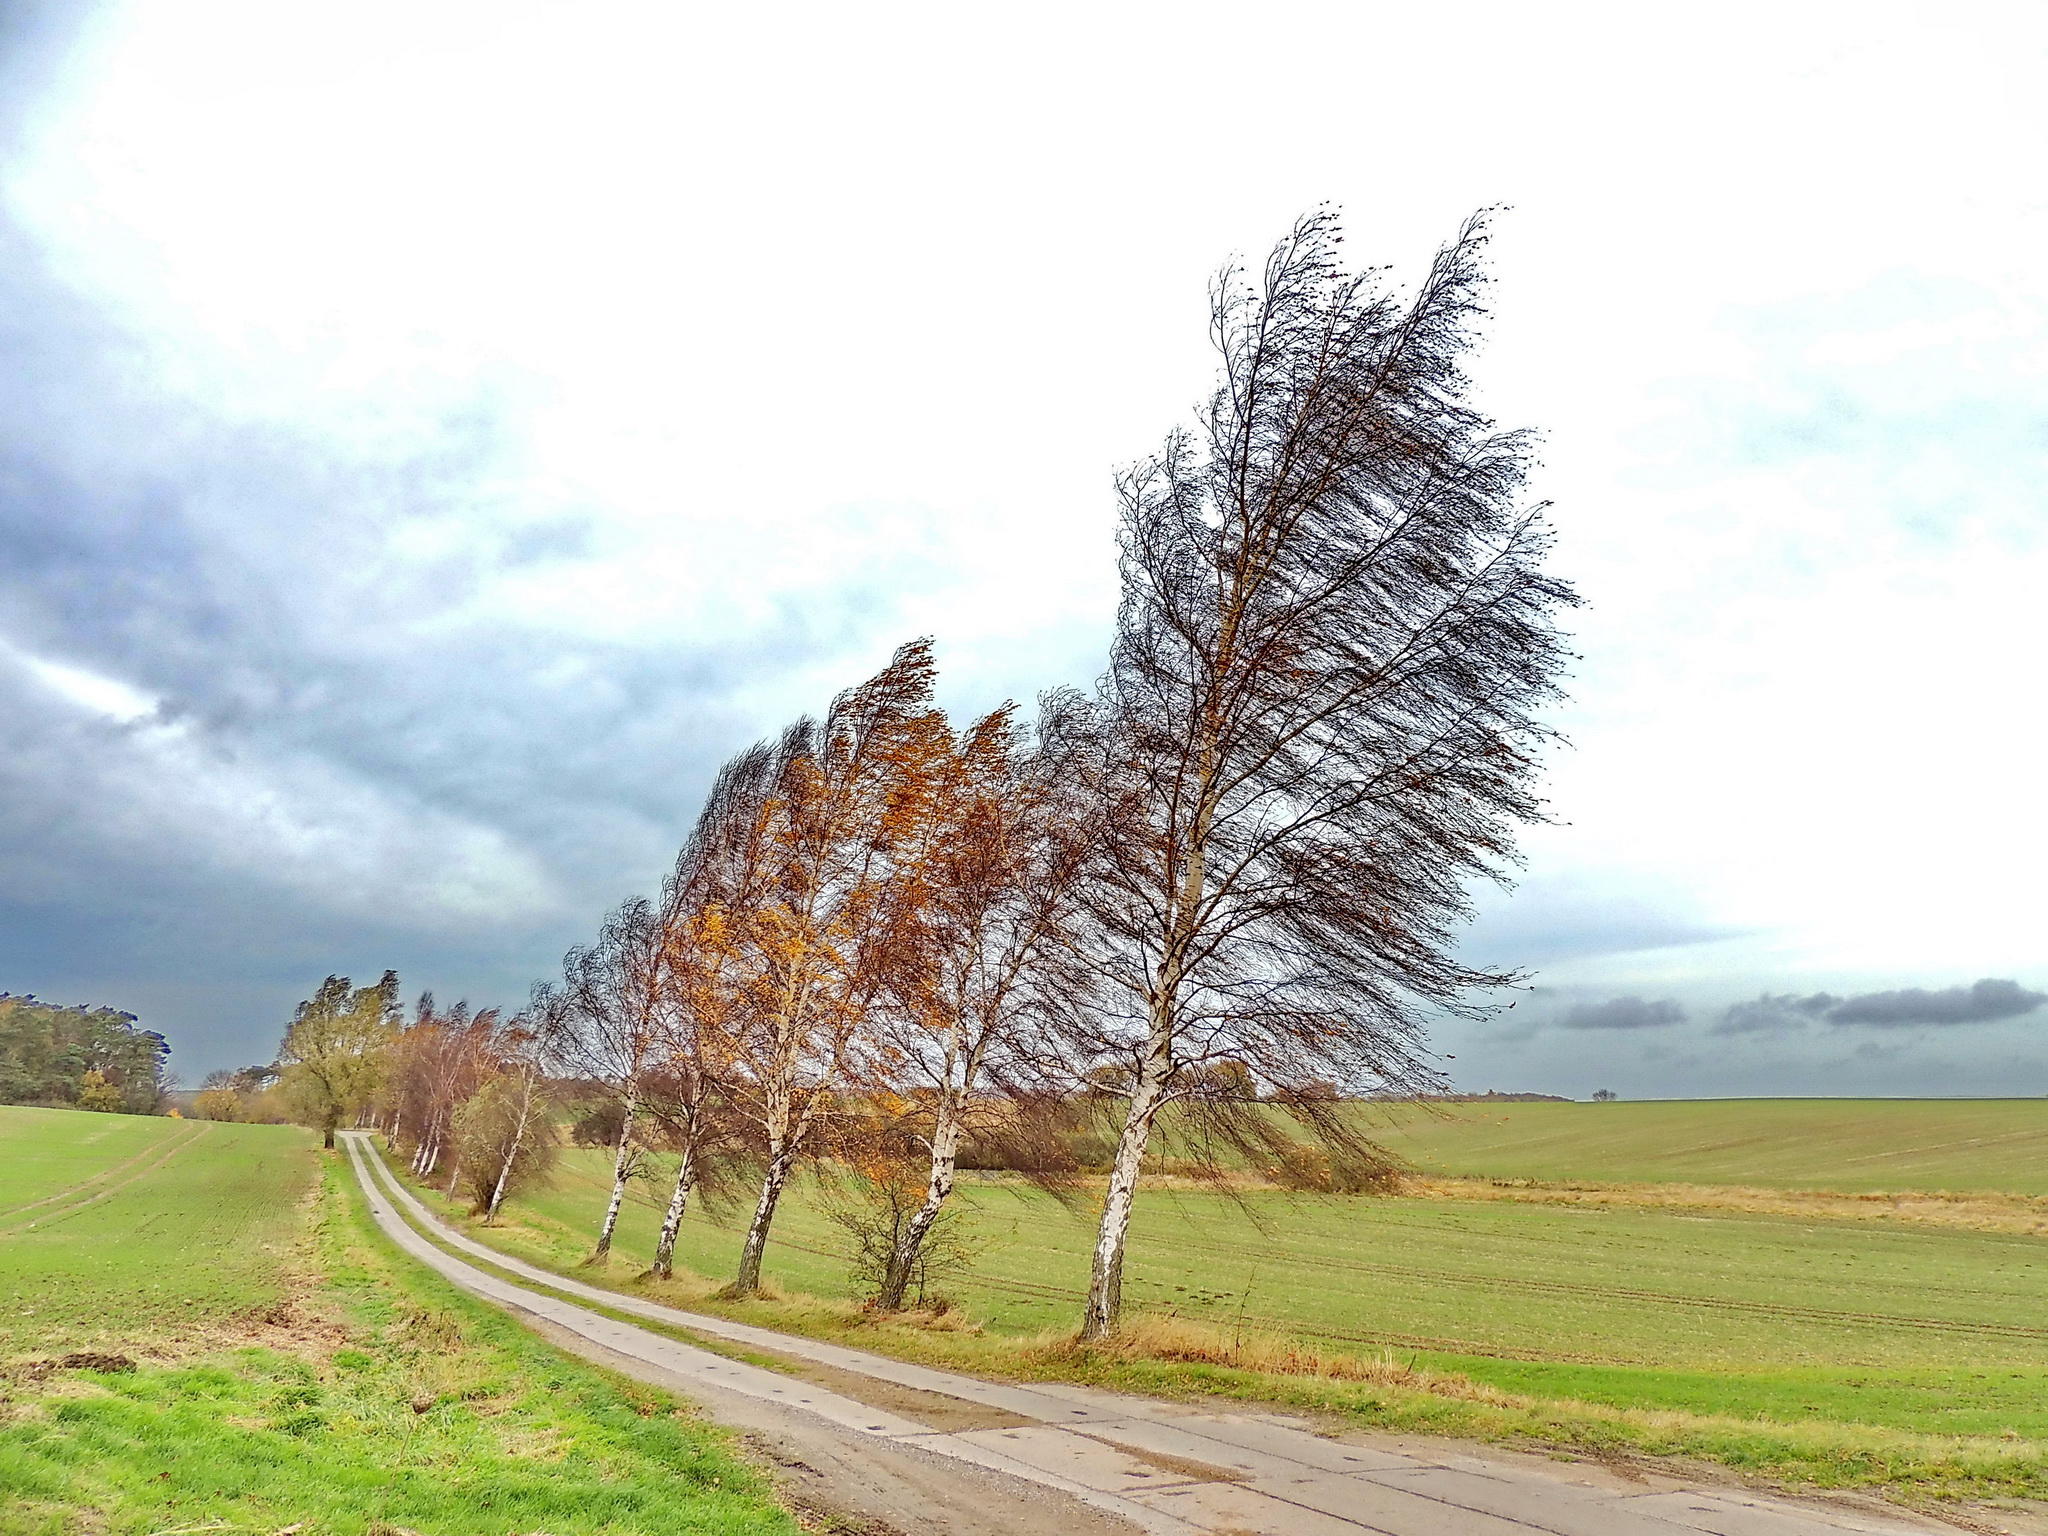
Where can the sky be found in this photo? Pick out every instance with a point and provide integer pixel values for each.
(432, 438)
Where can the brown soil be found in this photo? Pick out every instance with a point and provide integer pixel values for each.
(938, 1409)
(1179, 1466)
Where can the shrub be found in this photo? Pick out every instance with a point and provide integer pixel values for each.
(95, 1092)
(505, 1117)
(599, 1125)
(873, 1207)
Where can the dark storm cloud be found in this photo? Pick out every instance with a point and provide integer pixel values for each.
(1982, 1002)
(252, 583)
(1623, 1013)
(1774, 1013)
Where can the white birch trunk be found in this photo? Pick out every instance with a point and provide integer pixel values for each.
(511, 1152)
(748, 1280)
(945, 1163)
(1106, 1280)
(678, 1202)
(621, 1169)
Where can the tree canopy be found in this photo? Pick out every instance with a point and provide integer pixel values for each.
(46, 1051)
(333, 1056)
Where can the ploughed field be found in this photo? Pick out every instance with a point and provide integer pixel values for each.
(1565, 1273)
(199, 1330)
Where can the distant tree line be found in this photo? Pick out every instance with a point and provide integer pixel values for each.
(84, 1058)
(1220, 893)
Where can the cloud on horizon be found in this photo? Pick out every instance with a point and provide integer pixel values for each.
(1623, 1013)
(1987, 1001)
(1773, 1012)
(1982, 1002)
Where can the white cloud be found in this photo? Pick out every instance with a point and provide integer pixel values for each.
(107, 697)
(797, 332)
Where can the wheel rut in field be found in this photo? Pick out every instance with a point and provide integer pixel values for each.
(74, 1198)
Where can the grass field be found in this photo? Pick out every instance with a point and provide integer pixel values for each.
(134, 1231)
(1796, 1320)
(1854, 1145)
(287, 1369)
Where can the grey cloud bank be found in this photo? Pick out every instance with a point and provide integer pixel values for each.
(1772, 1013)
(1987, 1001)
(1623, 1013)
(1982, 1002)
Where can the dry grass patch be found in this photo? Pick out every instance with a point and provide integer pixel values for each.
(2021, 1215)
(1177, 1340)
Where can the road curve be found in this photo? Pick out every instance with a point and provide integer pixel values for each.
(952, 1454)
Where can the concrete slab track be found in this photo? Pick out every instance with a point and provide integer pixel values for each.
(1080, 1460)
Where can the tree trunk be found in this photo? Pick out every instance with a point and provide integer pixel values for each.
(454, 1174)
(910, 1242)
(511, 1153)
(621, 1168)
(327, 1125)
(748, 1280)
(1106, 1282)
(678, 1201)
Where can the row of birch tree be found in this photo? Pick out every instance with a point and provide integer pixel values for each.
(1224, 887)
(1230, 876)
(464, 1095)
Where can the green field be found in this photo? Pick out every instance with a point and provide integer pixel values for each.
(294, 1370)
(257, 1358)
(1795, 1318)
(1844, 1144)
(120, 1231)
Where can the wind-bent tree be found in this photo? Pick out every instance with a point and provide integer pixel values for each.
(433, 1067)
(614, 1025)
(1318, 722)
(979, 899)
(509, 1141)
(717, 884)
(828, 813)
(333, 1053)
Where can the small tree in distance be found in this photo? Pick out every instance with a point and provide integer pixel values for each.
(507, 1143)
(96, 1093)
(612, 1028)
(217, 1099)
(1604, 1096)
(333, 1054)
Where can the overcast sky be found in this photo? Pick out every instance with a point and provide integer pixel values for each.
(432, 437)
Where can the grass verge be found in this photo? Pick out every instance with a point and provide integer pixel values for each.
(405, 1406)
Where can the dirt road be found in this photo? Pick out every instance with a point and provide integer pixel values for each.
(888, 1446)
